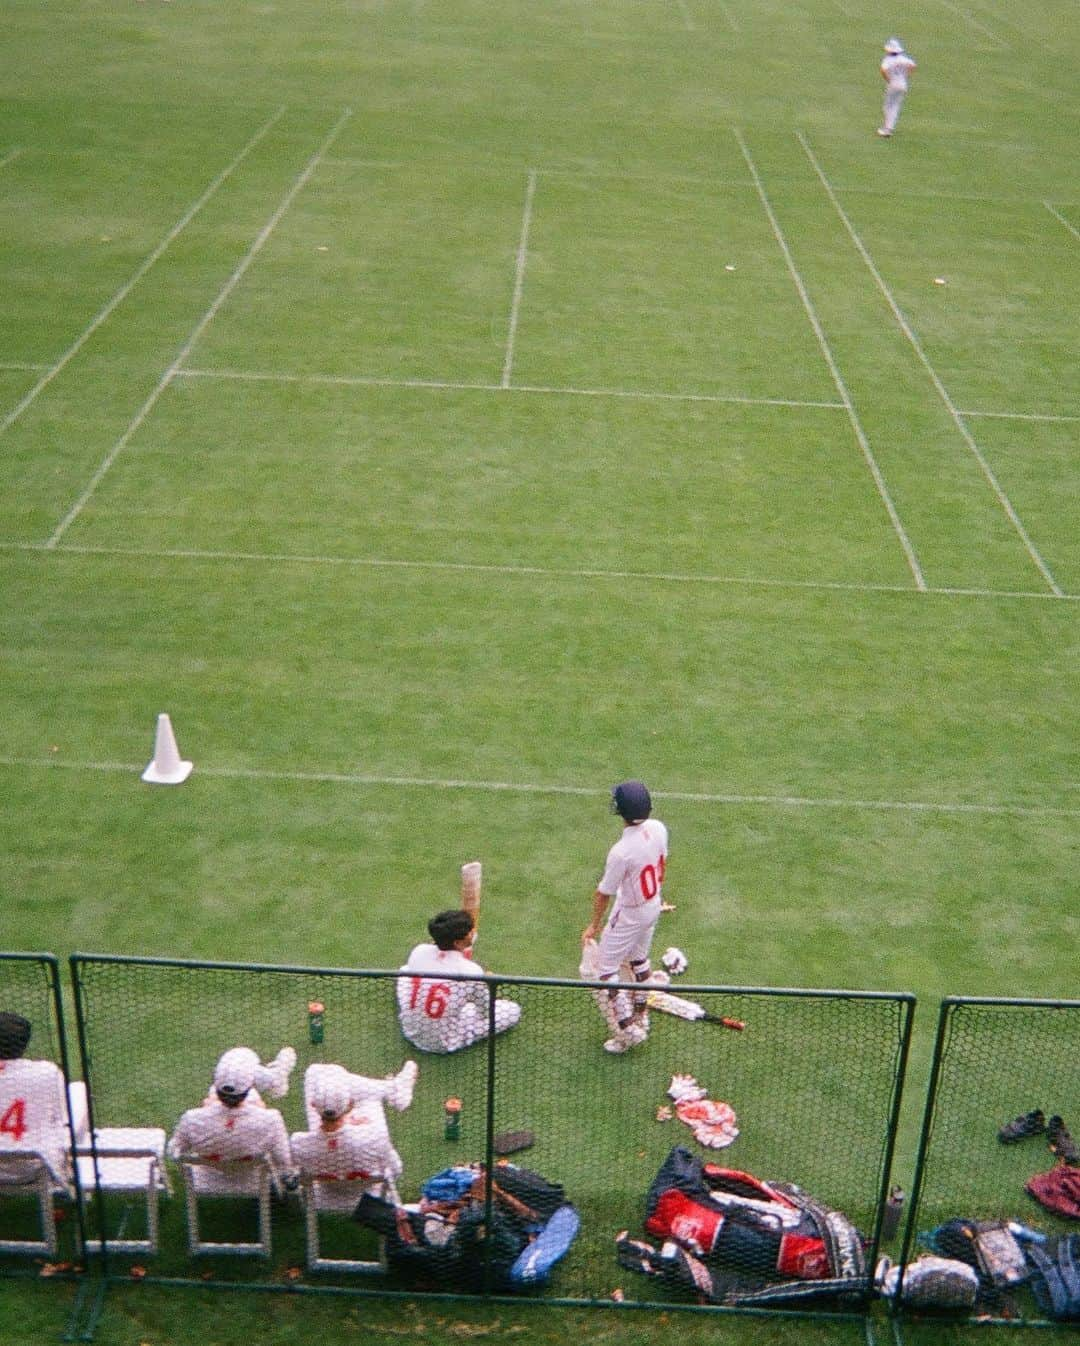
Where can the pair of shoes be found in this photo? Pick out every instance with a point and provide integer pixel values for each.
(1027, 1124)
(884, 132)
(1061, 1142)
(630, 1036)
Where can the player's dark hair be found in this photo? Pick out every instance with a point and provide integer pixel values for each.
(14, 1035)
(231, 1098)
(449, 927)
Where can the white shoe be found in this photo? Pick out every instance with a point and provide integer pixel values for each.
(884, 132)
(400, 1093)
(630, 1036)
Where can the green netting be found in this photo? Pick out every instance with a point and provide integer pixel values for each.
(994, 1061)
(814, 1081)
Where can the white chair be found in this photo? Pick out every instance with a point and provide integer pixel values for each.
(227, 1178)
(338, 1196)
(126, 1161)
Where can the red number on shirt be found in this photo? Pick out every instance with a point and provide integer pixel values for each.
(436, 996)
(650, 878)
(13, 1122)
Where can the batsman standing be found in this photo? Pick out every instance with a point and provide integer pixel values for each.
(633, 876)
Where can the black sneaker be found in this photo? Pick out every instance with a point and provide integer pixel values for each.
(1061, 1143)
(1027, 1124)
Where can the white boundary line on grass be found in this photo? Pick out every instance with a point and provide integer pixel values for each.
(542, 572)
(519, 278)
(21, 367)
(580, 791)
(841, 386)
(200, 327)
(950, 406)
(121, 294)
(362, 381)
(1062, 220)
(1017, 416)
(440, 385)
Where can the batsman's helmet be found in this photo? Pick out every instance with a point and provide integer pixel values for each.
(631, 801)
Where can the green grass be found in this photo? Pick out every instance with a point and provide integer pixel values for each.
(530, 493)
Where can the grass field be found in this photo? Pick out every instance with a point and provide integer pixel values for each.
(443, 410)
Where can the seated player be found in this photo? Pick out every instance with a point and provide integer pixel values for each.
(34, 1107)
(437, 1015)
(233, 1123)
(347, 1136)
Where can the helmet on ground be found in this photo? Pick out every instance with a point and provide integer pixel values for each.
(894, 46)
(631, 801)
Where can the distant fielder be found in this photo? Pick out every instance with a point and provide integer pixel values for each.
(895, 69)
(437, 1015)
(633, 875)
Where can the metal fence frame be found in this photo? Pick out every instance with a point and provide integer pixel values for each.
(937, 1100)
(107, 1271)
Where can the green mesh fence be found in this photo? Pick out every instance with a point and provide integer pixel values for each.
(30, 986)
(813, 1082)
(995, 1060)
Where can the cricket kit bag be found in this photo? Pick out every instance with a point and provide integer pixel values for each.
(990, 1246)
(1055, 1279)
(737, 1239)
(453, 1236)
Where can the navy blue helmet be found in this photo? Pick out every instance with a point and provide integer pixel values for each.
(631, 801)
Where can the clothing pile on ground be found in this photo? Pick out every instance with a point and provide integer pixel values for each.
(980, 1265)
(728, 1237)
(456, 1238)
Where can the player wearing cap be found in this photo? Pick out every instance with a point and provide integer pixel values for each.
(633, 876)
(347, 1136)
(895, 69)
(233, 1123)
(438, 1015)
(33, 1105)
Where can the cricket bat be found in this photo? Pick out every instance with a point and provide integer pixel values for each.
(471, 874)
(666, 1003)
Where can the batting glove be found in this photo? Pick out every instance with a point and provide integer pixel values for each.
(675, 961)
(685, 1089)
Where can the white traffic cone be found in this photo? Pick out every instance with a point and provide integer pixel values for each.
(166, 768)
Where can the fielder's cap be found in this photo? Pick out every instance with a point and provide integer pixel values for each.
(631, 801)
(235, 1073)
(894, 46)
(14, 1035)
(330, 1093)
